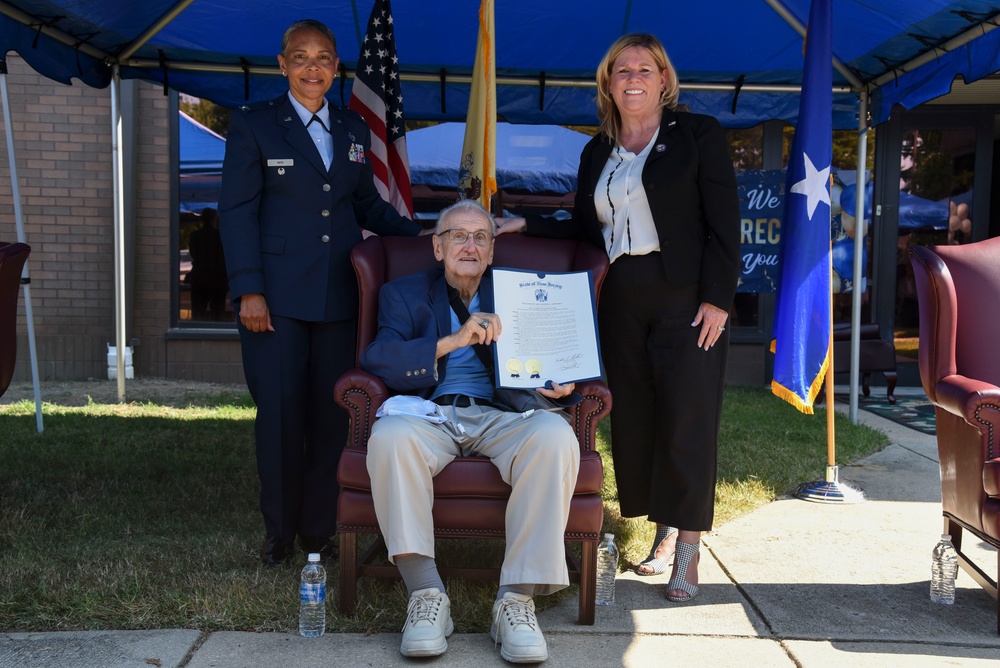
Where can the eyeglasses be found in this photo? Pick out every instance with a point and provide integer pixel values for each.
(457, 235)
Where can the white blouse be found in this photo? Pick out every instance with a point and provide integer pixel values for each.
(622, 206)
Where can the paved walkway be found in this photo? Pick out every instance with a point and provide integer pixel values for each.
(793, 584)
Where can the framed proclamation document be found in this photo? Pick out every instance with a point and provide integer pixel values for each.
(549, 325)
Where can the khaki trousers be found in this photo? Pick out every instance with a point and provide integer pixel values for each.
(537, 455)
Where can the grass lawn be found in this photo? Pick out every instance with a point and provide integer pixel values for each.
(144, 515)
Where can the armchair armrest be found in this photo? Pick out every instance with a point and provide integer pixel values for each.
(585, 415)
(977, 402)
(360, 394)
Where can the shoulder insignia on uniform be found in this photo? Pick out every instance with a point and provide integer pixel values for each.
(256, 106)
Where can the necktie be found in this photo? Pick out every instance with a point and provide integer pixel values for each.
(318, 120)
(324, 144)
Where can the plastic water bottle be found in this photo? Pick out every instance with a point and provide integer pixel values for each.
(943, 571)
(312, 598)
(607, 570)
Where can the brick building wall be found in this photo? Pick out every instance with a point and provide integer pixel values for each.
(62, 137)
(63, 150)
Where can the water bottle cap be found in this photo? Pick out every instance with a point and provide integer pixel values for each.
(609, 536)
(314, 557)
(946, 536)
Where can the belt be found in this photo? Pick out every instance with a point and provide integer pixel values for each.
(460, 401)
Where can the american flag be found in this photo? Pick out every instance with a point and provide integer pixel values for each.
(378, 97)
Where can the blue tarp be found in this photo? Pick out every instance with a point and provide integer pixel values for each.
(201, 149)
(733, 44)
(533, 158)
(201, 154)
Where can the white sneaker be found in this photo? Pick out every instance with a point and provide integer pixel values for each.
(516, 629)
(428, 624)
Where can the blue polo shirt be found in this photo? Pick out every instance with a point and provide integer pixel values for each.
(464, 373)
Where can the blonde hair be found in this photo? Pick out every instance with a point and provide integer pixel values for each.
(607, 110)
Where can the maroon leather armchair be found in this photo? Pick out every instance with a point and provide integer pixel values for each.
(470, 498)
(958, 288)
(12, 259)
(874, 354)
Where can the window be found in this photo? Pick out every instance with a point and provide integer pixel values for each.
(202, 294)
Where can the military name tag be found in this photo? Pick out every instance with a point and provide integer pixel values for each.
(281, 162)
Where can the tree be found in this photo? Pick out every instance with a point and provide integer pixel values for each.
(209, 114)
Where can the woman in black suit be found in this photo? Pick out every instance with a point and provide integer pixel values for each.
(656, 189)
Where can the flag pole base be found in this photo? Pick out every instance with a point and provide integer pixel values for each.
(831, 490)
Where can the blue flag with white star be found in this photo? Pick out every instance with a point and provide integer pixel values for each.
(802, 323)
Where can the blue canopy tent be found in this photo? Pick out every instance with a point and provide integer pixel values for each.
(738, 60)
(201, 154)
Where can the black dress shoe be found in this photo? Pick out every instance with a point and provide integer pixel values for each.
(326, 546)
(276, 553)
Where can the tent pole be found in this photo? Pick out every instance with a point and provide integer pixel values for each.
(15, 186)
(860, 228)
(797, 25)
(119, 203)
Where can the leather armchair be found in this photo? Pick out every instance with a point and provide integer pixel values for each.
(12, 259)
(470, 498)
(958, 288)
(874, 354)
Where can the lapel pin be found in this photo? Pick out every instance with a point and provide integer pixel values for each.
(660, 148)
(281, 171)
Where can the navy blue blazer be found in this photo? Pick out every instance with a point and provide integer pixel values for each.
(692, 193)
(288, 225)
(413, 313)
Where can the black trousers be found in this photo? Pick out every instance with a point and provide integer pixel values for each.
(667, 395)
(300, 432)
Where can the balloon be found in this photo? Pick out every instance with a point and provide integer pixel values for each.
(849, 199)
(836, 190)
(843, 258)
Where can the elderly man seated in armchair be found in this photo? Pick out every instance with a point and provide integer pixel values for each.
(435, 330)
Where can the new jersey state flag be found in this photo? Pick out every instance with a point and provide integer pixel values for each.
(802, 343)
(477, 175)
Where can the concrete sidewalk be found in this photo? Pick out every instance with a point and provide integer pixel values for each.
(793, 584)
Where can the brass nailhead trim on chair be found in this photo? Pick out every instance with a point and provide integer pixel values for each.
(989, 428)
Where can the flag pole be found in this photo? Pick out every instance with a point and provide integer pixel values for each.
(830, 490)
(803, 346)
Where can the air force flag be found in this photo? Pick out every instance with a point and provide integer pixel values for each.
(802, 324)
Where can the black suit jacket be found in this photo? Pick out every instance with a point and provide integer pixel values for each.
(692, 193)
